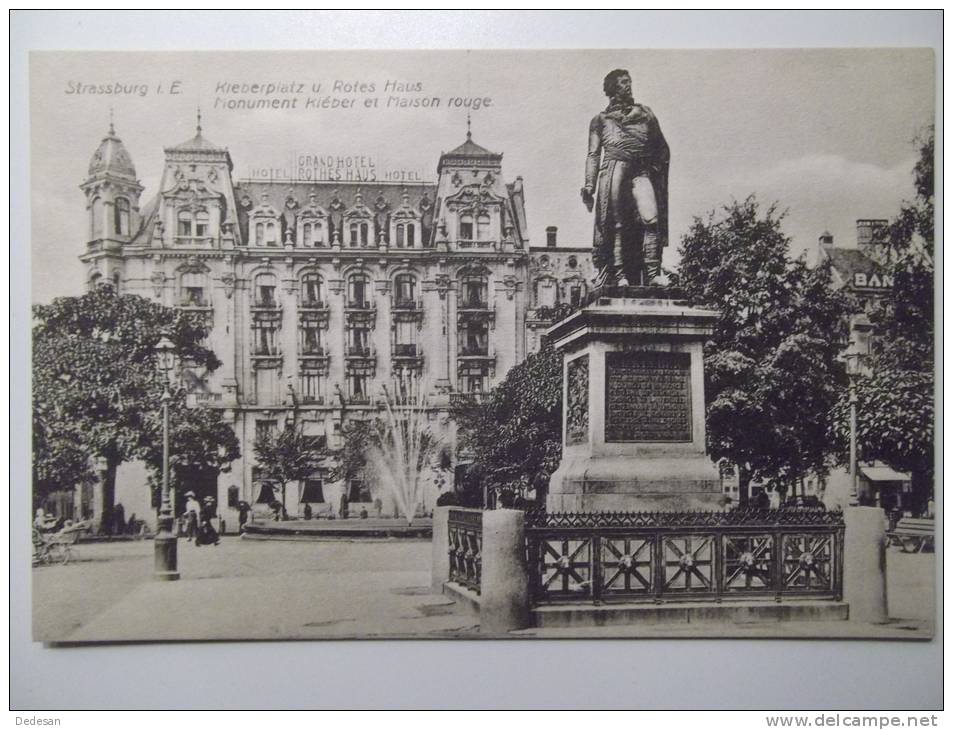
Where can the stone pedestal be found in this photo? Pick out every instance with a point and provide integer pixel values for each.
(634, 406)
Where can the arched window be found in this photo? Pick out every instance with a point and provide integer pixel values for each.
(271, 234)
(96, 219)
(116, 281)
(466, 227)
(121, 217)
(95, 280)
(358, 291)
(306, 235)
(193, 289)
(311, 290)
(185, 224)
(201, 224)
(400, 235)
(411, 235)
(474, 291)
(405, 286)
(483, 227)
(259, 234)
(265, 287)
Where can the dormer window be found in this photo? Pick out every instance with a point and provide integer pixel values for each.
(184, 228)
(358, 233)
(266, 233)
(121, 213)
(405, 234)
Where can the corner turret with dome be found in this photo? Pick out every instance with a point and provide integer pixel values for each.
(112, 204)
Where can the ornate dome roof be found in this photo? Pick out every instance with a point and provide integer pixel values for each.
(111, 157)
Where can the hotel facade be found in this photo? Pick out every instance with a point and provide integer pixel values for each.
(320, 294)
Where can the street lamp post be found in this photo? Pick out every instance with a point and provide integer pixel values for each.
(857, 351)
(166, 547)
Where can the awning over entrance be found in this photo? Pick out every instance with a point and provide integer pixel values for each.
(883, 474)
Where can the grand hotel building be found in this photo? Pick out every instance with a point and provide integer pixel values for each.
(318, 294)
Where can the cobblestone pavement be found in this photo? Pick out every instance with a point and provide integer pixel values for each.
(244, 589)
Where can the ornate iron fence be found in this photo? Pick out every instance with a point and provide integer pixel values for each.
(676, 556)
(465, 532)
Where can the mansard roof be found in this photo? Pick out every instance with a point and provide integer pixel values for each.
(249, 194)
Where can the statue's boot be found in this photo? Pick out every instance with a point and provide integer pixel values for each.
(618, 261)
(652, 250)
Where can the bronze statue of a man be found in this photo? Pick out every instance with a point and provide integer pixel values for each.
(627, 179)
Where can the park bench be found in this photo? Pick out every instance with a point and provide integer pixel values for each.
(913, 535)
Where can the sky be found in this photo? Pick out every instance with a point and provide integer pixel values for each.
(828, 134)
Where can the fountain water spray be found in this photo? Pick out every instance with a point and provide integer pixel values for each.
(405, 445)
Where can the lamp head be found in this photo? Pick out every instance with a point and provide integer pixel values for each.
(165, 354)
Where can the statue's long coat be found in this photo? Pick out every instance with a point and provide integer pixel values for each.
(611, 142)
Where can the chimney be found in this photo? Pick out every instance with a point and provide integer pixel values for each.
(825, 243)
(870, 233)
(551, 236)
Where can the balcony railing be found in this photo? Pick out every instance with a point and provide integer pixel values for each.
(359, 305)
(312, 350)
(403, 350)
(361, 399)
(466, 399)
(265, 304)
(313, 305)
(408, 304)
(473, 303)
(474, 352)
(195, 304)
(359, 351)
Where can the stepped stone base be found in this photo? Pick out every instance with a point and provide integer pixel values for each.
(627, 614)
(609, 484)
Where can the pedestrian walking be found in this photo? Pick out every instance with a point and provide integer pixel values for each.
(208, 535)
(192, 511)
(243, 509)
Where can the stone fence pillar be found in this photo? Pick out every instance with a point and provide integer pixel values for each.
(440, 563)
(865, 587)
(504, 585)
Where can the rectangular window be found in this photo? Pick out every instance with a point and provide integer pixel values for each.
(359, 392)
(310, 339)
(575, 296)
(311, 387)
(359, 340)
(194, 296)
(306, 235)
(405, 333)
(265, 428)
(264, 340)
(358, 491)
(466, 230)
(266, 296)
(312, 491)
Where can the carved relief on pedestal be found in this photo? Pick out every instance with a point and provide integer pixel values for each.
(577, 401)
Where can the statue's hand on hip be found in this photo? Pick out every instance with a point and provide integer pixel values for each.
(587, 198)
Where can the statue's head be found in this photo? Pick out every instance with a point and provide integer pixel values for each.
(616, 79)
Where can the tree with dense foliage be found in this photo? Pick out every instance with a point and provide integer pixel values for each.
(96, 387)
(515, 433)
(895, 400)
(772, 373)
(288, 456)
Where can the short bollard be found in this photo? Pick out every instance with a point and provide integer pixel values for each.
(865, 588)
(440, 562)
(504, 587)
